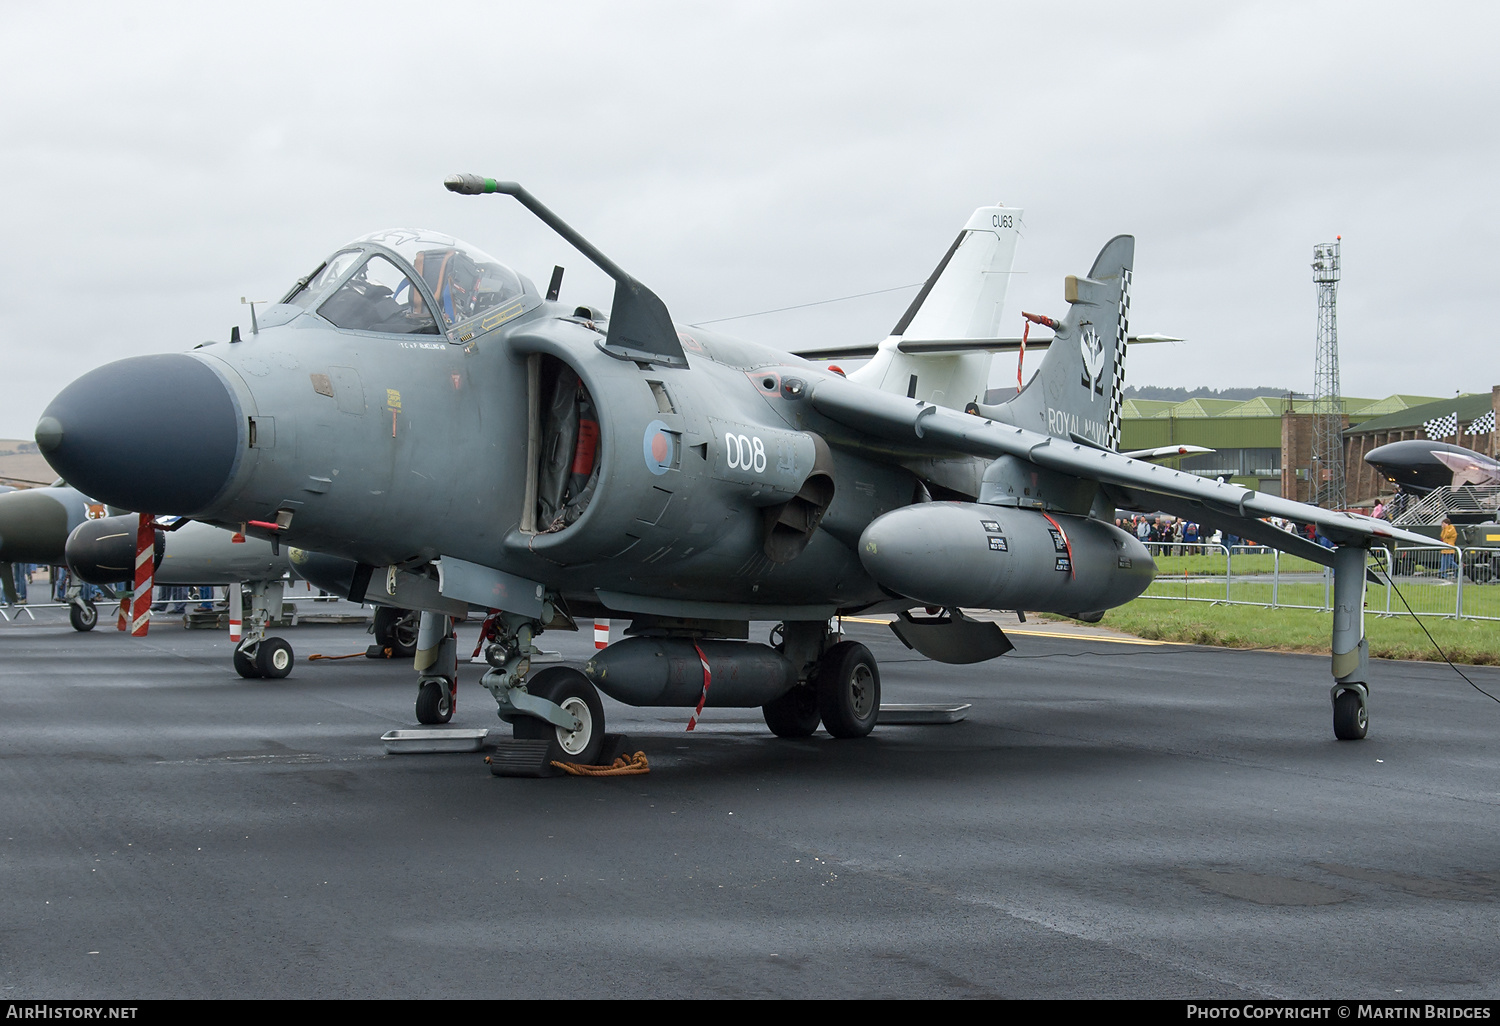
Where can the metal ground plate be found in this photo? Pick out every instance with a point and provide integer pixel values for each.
(897, 714)
(414, 740)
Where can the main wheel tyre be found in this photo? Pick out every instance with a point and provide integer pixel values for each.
(83, 616)
(396, 629)
(794, 714)
(244, 665)
(435, 702)
(848, 683)
(571, 690)
(1351, 717)
(274, 658)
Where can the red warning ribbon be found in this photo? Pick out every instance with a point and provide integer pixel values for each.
(707, 679)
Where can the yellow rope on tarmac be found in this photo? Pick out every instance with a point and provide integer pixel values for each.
(622, 767)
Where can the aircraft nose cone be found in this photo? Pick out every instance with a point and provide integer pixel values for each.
(33, 527)
(158, 434)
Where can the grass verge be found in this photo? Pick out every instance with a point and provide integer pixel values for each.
(1475, 642)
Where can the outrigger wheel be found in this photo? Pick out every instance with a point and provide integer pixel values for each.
(570, 689)
(1351, 715)
(436, 699)
(848, 683)
(83, 615)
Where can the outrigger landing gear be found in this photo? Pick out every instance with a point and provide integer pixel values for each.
(1351, 650)
(436, 663)
(82, 614)
(257, 655)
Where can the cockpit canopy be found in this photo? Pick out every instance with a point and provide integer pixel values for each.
(404, 281)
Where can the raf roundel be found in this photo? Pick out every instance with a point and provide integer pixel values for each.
(658, 447)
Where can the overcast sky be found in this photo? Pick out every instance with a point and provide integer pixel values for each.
(160, 162)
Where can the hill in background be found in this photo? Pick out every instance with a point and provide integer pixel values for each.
(22, 465)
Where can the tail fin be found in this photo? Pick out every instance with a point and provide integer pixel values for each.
(1080, 387)
(962, 299)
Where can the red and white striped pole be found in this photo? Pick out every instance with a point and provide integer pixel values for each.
(145, 559)
(236, 612)
(601, 633)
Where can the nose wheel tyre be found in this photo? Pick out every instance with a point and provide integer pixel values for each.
(435, 701)
(794, 714)
(244, 665)
(274, 658)
(1351, 717)
(570, 689)
(83, 616)
(848, 683)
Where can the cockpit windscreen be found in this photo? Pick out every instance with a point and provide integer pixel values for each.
(465, 281)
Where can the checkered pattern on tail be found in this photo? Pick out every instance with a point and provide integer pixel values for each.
(1117, 387)
(1439, 428)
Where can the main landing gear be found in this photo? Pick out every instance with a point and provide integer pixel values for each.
(396, 629)
(257, 655)
(840, 686)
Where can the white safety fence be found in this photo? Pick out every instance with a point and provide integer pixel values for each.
(1434, 580)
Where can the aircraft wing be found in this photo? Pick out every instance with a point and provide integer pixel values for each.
(941, 346)
(1139, 484)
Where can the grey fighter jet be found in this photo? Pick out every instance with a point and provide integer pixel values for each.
(34, 528)
(472, 443)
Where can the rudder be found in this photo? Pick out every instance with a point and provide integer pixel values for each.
(1079, 389)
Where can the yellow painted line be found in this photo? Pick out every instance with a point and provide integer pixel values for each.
(1092, 637)
(1046, 634)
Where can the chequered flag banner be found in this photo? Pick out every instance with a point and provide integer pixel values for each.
(1439, 428)
(1483, 425)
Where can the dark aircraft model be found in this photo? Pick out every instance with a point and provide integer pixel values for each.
(469, 442)
(1417, 466)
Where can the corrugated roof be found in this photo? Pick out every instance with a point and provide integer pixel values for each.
(1466, 406)
(1142, 409)
(1204, 408)
(1275, 405)
(1395, 404)
(1260, 406)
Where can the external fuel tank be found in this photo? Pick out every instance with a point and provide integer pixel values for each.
(978, 556)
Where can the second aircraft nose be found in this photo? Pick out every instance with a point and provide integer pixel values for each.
(158, 434)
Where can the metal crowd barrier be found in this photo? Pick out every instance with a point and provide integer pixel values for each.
(1434, 580)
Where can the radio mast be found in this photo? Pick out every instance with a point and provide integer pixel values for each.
(1328, 412)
